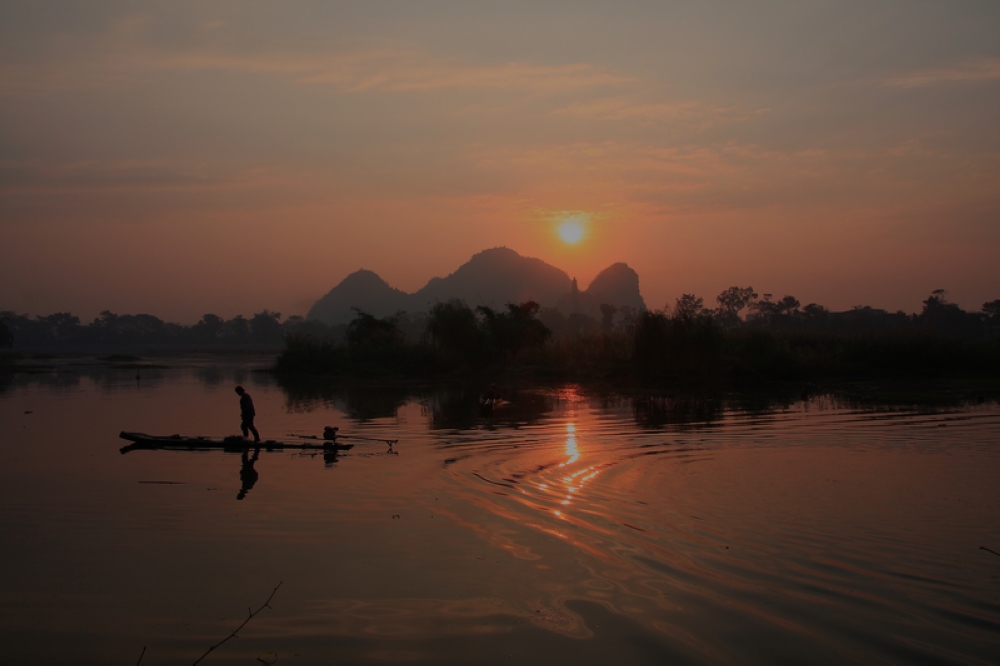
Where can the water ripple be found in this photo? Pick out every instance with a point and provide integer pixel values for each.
(810, 520)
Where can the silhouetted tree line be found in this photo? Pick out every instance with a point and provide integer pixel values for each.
(746, 337)
(64, 332)
(451, 337)
(780, 339)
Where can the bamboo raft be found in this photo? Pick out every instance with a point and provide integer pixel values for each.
(235, 444)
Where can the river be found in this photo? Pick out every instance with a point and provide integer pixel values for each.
(567, 526)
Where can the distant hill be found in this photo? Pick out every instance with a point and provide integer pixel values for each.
(492, 277)
(362, 289)
(616, 285)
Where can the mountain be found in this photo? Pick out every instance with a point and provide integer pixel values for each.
(492, 277)
(363, 289)
(496, 277)
(616, 285)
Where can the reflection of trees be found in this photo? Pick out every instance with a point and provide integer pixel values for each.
(660, 411)
(759, 404)
(447, 406)
(525, 408)
(453, 408)
(241, 375)
(212, 375)
(369, 403)
(57, 381)
(460, 408)
(107, 378)
(360, 403)
(111, 379)
(122, 373)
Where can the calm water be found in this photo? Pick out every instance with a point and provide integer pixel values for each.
(566, 528)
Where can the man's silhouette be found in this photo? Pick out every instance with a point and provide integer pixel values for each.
(247, 413)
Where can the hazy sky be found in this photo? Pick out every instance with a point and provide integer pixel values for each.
(226, 157)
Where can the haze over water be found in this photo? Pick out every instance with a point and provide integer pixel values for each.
(565, 527)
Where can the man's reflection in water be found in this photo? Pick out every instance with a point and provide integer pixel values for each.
(248, 475)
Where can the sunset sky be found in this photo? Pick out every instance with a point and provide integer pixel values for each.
(226, 157)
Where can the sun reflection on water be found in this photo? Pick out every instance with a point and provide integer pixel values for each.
(573, 482)
(571, 447)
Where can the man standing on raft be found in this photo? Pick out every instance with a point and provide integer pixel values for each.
(247, 413)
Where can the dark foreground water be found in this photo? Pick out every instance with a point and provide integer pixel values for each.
(563, 528)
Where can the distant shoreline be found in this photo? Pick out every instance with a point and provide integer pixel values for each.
(888, 390)
(27, 362)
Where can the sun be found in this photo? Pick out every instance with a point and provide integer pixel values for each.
(571, 231)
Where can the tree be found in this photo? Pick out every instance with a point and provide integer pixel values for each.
(454, 329)
(6, 337)
(265, 327)
(236, 329)
(555, 321)
(815, 315)
(991, 318)
(789, 305)
(579, 324)
(517, 329)
(765, 308)
(689, 306)
(650, 347)
(733, 300)
(686, 347)
(946, 317)
(209, 328)
(299, 325)
(608, 313)
(991, 310)
(61, 326)
(939, 311)
(143, 327)
(368, 331)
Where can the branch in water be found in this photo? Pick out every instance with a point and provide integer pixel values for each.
(235, 631)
